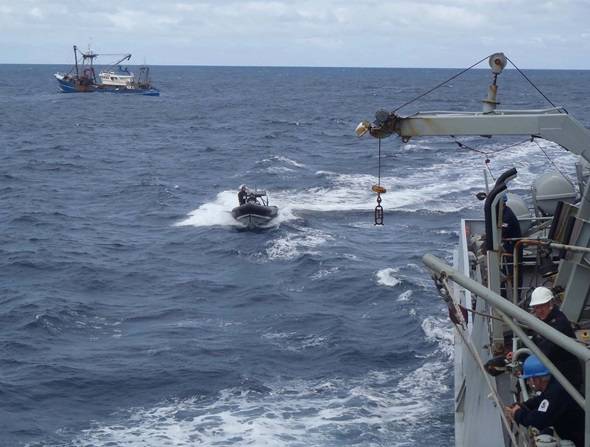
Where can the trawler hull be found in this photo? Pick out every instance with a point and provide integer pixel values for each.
(73, 86)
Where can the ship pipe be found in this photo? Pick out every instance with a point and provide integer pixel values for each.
(498, 188)
(516, 353)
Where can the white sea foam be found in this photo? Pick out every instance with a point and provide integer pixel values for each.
(405, 296)
(278, 169)
(294, 342)
(289, 414)
(387, 277)
(213, 213)
(292, 245)
(282, 159)
(323, 273)
(440, 331)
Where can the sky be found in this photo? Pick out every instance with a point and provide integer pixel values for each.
(328, 33)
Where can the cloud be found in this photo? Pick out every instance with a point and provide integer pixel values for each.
(449, 33)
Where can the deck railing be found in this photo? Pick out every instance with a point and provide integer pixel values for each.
(512, 315)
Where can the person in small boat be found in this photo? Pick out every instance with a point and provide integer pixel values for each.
(552, 407)
(242, 194)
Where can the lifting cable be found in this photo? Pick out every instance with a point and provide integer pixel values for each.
(379, 190)
(531, 82)
(551, 161)
(487, 154)
(439, 85)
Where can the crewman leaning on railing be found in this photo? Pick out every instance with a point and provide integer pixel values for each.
(543, 307)
(552, 407)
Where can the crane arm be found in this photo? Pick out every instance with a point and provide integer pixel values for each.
(551, 124)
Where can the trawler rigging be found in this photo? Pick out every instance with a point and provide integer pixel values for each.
(488, 280)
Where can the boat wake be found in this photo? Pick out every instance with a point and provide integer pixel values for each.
(435, 188)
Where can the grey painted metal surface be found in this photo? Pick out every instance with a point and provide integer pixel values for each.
(531, 321)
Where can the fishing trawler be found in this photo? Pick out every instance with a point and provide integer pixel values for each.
(488, 288)
(113, 79)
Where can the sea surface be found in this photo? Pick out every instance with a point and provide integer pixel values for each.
(135, 312)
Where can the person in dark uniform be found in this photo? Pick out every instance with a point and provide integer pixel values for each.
(552, 407)
(510, 226)
(242, 194)
(546, 311)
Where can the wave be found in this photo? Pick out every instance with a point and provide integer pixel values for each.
(439, 331)
(376, 409)
(293, 245)
(281, 159)
(386, 277)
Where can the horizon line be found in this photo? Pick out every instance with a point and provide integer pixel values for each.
(301, 66)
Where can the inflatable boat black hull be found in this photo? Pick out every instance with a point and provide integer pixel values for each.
(254, 215)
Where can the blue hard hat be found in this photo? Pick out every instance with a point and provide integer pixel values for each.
(534, 368)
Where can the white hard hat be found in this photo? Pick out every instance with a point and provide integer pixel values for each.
(541, 295)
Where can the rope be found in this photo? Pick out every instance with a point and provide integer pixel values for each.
(475, 355)
(487, 163)
(487, 154)
(480, 314)
(439, 85)
(531, 82)
(465, 146)
(551, 161)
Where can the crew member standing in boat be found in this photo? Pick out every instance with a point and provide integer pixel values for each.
(242, 194)
(546, 311)
(553, 407)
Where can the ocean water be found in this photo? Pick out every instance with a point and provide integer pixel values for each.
(135, 312)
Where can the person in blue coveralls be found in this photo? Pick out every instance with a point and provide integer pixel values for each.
(552, 407)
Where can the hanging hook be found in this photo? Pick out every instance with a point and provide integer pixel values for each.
(378, 211)
(379, 190)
